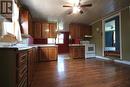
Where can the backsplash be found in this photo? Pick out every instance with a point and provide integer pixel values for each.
(39, 41)
(74, 41)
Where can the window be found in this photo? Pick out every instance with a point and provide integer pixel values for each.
(8, 27)
(60, 38)
(51, 40)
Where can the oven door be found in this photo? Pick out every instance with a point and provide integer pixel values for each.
(90, 48)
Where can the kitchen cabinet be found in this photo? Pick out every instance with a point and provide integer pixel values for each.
(85, 30)
(45, 30)
(30, 66)
(17, 67)
(53, 53)
(53, 30)
(14, 68)
(30, 28)
(32, 55)
(77, 51)
(48, 53)
(43, 54)
(79, 30)
(25, 21)
(74, 30)
(37, 30)
(21, 69)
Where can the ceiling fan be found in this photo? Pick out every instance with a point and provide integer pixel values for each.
(77, 7)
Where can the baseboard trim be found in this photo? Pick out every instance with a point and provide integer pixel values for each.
(118, 61)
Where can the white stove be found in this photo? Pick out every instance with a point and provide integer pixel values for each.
(89, 49)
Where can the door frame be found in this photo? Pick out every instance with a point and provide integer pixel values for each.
(103, 30)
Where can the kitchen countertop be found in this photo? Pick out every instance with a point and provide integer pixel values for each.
(47, 45)
(16, 47)
(76, 45)
(26, 47)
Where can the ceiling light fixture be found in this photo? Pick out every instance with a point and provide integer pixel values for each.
(76, 6)
(76, 2)
(76, 9)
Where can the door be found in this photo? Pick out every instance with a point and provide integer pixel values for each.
(63, 42)
(112, 37)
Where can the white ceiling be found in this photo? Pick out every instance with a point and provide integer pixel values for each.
(52, 10)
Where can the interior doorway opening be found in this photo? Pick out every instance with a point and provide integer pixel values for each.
(112, 45)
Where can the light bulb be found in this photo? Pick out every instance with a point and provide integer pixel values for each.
(76, 9)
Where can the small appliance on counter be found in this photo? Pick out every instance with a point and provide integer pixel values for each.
(89, 49)
(26, 39)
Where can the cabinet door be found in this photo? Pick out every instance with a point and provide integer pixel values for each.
(53, 29)
(82, 32)
(45, 30)
(30, 66)
(44, 56)
(22, 69)
(71, 31)
(53, 52)
(76, 52)
(77, 31)
(85, 30)
(82, 52)
(74, 30)
(71, 52)
(37, 30)
(30, 28)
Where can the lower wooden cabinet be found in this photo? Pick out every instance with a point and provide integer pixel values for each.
(48, 53)
(21, 69)
(17, 67)
(77, 51)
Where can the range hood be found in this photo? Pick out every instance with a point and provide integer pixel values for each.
(88, 36)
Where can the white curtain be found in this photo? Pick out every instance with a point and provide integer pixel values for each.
(15, 17)
(3, 30)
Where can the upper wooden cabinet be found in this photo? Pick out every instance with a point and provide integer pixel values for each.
(37, 30)
(74, 30)
(85, 30)
(79, 30)
(45, 30)
(25, 21)
(53, 29)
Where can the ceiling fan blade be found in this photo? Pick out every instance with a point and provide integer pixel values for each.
(67, 5)
(86, 5)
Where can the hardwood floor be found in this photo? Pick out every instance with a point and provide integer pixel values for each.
(81, 73)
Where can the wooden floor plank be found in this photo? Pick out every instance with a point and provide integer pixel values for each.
(81, 73)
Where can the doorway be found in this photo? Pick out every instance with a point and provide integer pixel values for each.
(112, 38)
(63, 42)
